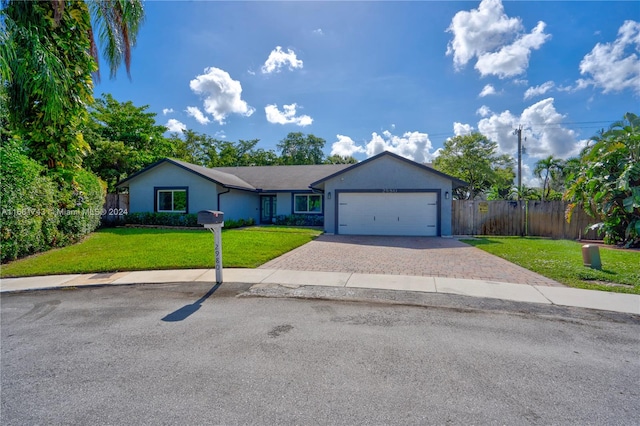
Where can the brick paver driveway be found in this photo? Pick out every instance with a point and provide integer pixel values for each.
(418, 256)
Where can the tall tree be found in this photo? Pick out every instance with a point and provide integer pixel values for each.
(298, 148)
(201, 149)
(551, 168)
(339, 159)
(124, 138)
(607, 182)
(474, 159)
(48, 56)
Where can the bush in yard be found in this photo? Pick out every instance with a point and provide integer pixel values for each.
(177, 219)
(27, 199)
(80, 200)
(607, 182)
(300, 220)
(43, 210)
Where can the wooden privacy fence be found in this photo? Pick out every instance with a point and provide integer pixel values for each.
(116, 206)
(513, 218)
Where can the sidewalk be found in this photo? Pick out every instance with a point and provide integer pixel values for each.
(564, 296)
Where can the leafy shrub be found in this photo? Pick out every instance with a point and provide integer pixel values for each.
(300, 220)
(162, 219)
(80, 201)
(178, 219)
(39, 210)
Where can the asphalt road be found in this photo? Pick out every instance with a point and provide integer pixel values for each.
(173, 354)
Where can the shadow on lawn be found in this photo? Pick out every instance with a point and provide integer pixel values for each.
(480, 241)
(188, 310)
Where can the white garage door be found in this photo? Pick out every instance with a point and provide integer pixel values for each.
(394, 213)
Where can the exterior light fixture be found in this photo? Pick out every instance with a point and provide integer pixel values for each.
(446, 195)
(328, 195)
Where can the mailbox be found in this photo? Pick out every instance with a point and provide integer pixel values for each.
(210, 217)
(214, 221)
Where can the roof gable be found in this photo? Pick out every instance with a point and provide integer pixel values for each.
(225, 179)
(455, 181)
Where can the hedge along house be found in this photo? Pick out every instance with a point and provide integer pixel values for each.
(383, 195)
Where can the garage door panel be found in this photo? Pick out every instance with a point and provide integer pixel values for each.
(388, 214)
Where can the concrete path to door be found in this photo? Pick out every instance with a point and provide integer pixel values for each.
(415, 256)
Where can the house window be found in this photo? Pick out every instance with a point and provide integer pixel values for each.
(307, 203)
(171, 200)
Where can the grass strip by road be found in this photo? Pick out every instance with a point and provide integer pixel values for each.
(561, 260)
(135, 249)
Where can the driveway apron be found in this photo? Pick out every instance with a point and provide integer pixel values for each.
(415, 256)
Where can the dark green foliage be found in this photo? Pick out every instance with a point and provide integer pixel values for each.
(339, 159)
(300, 220)
(474, 159)
(48, 78)
(124, 139)
(607, 182)
(203, 150)
(80, 200)
(29, 224)
(178, 219)
(298, 148)
(39, 210)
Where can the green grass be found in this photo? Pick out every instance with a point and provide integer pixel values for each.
(131, 249)
(561, 260)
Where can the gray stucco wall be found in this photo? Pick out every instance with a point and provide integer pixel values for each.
(283, 204)
(240, 204)
(202, 193)
(388, 173)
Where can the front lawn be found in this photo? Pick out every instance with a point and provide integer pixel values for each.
(131, 249)
(561, 260)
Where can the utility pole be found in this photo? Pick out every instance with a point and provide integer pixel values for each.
(518, 132)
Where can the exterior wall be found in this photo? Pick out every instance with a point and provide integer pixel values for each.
(239, 204)
(202, 193)
(283, 204)
(384, 174)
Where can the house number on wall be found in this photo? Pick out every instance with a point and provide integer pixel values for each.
(389, 190)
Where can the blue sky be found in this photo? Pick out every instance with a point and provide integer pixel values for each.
(398, 76)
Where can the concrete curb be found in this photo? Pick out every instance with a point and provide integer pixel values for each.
(563, 296)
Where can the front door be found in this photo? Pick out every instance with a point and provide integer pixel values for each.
(267, 208)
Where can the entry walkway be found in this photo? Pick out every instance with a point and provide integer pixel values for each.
(626, 303)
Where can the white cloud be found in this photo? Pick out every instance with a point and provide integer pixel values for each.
(542, 128)
(345, 147)
(288, 116)
(222, 94)
(167, 111)
(487, 90)
(197, 114)
(611, 66)
(460, 129)
(175, 126)
(496, 40)
(499, 128)
(318, 31)
(513, 59)
(278, 58)
(483, 111)
(538, 90)
(415, 146)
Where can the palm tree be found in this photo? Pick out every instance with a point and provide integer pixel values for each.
(49, 54)
(551, 167)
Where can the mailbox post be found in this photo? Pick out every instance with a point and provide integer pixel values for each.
(214, 221)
